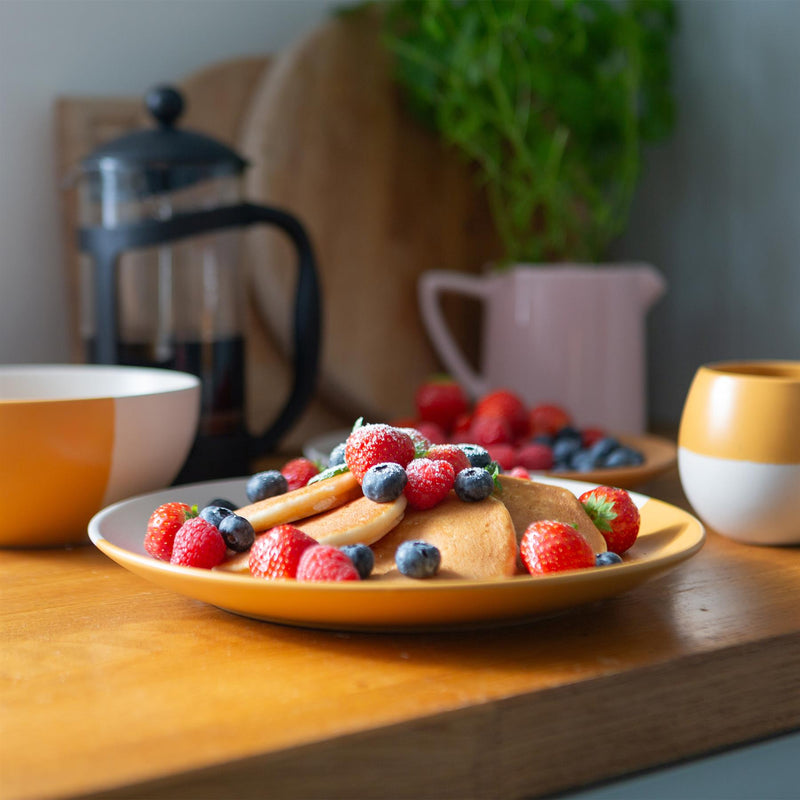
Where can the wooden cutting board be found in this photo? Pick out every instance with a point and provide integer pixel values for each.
(331, 141)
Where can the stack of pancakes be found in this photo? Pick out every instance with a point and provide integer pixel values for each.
(476, 540)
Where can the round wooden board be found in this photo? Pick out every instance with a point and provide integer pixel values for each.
(383, 201)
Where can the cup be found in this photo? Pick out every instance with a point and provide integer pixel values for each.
(568, 334)
(739, 450)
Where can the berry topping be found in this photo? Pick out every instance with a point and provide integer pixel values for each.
(223, 502)
(441, 401)
(473, 484)
(276, 554)
(324, 562)
(384, 482)
(373, 444)
(421, 442)
(417, 559)
(607, 559)
(162, 526)
(198, 544)
(614, 514)
(215, 514)
(451, 453)
(519, 472)
(549, 546)
(362, 557)
(298, 472)
(337, 455)
(478, 456)
(237, 532)
(504, 404)
(428, 482)
(266, 484)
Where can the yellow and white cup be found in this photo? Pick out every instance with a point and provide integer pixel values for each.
(75, 438)
(739, 450)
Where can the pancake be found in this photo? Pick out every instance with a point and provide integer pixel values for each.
(529, 501)
(302, 503)
(476, 540)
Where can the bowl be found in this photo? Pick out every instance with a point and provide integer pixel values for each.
(76, 438)
(739, 450)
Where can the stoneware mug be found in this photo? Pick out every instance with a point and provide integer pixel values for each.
(739, 450)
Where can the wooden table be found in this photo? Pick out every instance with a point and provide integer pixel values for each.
(113, 686)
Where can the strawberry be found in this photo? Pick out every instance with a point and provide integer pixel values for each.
(548, 546)
(298, 472)
(548, 419)
(434, 433)
(276, 553)
(162, 526)
(198, 543)
(590, 436)
(614, 514)
(375, 444)
(504, 454)
(429, 482)
(451, 453)
(461, 428)
(536, 456)
(324, 562)
(441, 400)
(505, 405)
(487, 431)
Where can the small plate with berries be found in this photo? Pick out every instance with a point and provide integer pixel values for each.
(400, 534)
(532, 441)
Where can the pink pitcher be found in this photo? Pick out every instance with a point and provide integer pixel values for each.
(573, 335)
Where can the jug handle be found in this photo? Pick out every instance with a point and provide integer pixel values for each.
(109, 244)
(432, 284)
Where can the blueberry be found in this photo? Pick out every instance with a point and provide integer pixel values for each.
(607, 559)
(543, 438)
(237, 532)
(584, 461)
(266, 484)
(215, 514)
(384, 482)
(337, 455)
(362, 557)
(564, 449)
(603, 447)
(223, 502)
(473, 484)
(569, 432)
(417, 559)
(623, 457)
(478, 456)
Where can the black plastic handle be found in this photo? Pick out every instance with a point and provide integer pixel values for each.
(108, 244)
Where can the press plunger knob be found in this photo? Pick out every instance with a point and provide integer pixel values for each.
(165, 104)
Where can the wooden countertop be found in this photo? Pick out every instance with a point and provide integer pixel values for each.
(113, 686)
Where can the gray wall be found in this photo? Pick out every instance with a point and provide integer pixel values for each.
(718, 209)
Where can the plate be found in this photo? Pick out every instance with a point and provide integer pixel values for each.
(667, 537)
(659, 454)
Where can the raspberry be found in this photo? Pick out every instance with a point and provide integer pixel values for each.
(441, 401)
(323, 562)
(615, 515)
(487, 431)
(198, 544)
(535, 456)
(461, 428)
(519, 472)
(504, 454)
(428, 482)
(549, 546)
(276, 554)
(451, 453)
(298, 472)
(504, 404)
(162, 526)
(373, 444)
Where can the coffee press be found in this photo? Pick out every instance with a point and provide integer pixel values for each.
(162, 285)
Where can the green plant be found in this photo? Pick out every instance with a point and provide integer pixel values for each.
(551, 100)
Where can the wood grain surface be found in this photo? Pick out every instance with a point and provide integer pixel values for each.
(331, 140)
(111, 686)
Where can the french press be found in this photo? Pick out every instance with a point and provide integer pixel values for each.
(162, 217)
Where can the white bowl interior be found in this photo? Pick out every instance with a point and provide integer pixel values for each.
(75, 381)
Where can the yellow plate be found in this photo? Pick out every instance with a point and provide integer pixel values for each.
(668, 536)
(659, 455)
